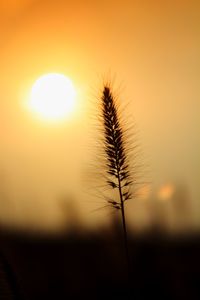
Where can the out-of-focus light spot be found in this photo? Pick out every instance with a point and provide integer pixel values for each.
(166, 191)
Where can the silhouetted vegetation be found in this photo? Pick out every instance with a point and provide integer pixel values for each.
(91, 266)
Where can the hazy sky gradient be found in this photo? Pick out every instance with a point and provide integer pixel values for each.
(151, 47)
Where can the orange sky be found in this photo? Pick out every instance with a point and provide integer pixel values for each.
(152, 47)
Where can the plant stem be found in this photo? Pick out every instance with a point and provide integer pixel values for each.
(124, 224)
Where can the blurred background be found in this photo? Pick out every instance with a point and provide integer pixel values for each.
(151, 49)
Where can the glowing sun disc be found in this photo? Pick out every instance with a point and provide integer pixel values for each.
(52, 96)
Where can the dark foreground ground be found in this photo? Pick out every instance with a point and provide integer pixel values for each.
(92, 266)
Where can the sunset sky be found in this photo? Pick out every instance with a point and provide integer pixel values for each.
(151, 48)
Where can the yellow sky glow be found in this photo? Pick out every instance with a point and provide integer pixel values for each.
(151, 48)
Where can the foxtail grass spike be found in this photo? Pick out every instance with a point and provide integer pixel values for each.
(117, 167)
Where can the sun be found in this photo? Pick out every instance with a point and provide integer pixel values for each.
(52, 96)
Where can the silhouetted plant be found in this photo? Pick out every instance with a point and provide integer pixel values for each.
(116, 153)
